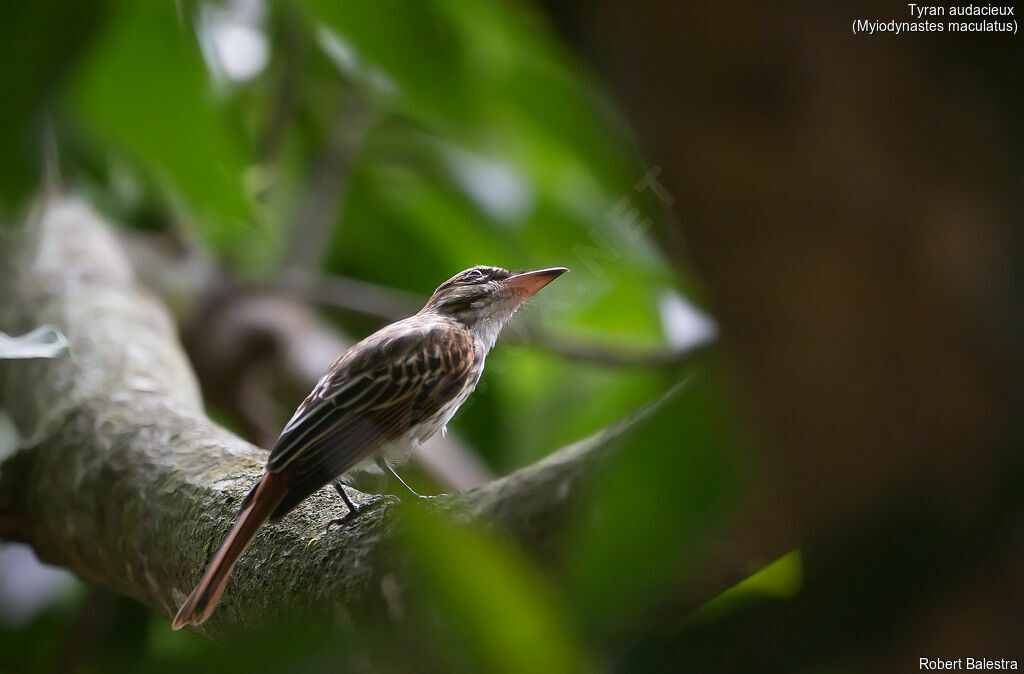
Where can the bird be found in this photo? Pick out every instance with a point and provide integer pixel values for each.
(373, 406)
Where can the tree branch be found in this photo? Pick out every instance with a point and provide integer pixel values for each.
(123, 479)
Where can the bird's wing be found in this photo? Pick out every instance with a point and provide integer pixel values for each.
(373, 395)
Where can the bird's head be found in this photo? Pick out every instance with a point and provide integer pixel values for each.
(484, 298)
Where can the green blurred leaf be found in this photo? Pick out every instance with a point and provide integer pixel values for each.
(491, 604)
(145, 91)
(522, 384)
(39, 44)
(670, 481)
(781, 579)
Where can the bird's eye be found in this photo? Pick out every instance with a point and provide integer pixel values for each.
(474, 275)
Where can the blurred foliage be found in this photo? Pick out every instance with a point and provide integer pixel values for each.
(41, 42)
(470, 136)
(656, 500)
(487, 605)
(781, 579)
(143, 90)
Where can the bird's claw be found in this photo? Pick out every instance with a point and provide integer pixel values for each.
(350, 515)
(369, 504)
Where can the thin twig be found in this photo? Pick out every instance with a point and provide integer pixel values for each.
(371, 299)
(285, 100)
(608, 356)
(313, 222)
(347, 294)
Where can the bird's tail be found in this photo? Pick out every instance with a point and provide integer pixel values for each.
(255, 510)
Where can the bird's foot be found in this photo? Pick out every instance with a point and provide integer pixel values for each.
(354, 512)
(338, 521)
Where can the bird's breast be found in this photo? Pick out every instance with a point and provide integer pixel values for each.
(401, 450)
(432, 424)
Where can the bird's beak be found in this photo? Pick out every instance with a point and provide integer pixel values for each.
(526, 283)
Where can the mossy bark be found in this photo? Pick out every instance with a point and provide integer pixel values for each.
(123, 479)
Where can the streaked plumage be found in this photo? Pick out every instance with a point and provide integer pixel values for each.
(392, 393)
(375, 404)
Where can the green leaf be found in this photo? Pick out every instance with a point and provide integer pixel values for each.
(39, 43)
(145, 91)
(44, 342)
(667, 486)
(493, 606)
(781, 579)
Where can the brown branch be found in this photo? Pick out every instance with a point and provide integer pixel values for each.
(125, 481)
